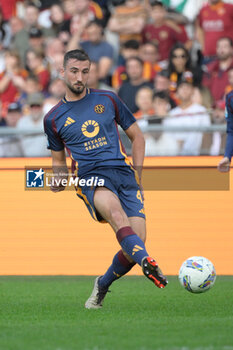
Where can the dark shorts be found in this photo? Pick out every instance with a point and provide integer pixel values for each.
(121, 181)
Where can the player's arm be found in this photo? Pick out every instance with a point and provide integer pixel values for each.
(224, 164)
(60, 170)
(138, 147)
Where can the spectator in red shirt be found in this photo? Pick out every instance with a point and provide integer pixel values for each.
(216, 75)
(9, 8)
(165, 33)
(12, 80)
(34, 60)
(214, 21)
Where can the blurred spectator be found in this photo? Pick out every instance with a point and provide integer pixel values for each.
(216, 75)
(89, 9)
(57, 92)
(105, 8)
(59, 22)
(162, 83)
(144, 102)
(25, 39)
(129, 89)
(12, 80)
(187, 114)
(14, 113)
(80, 13)
(35, 65)
(32, 34)
(16, 25)
(54, 54)
(33, 145)
(180, 67)
(32, 85)
(202, 96)
(36, 39)
(149, 54)
(160, 143)
(128, 20)
(10, 146)
(128, 49)
(69, 7)
(214, 21)
(165, 33)
(97, 48)
(161, 104)
(93, 79)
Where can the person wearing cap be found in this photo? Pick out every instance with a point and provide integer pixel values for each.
(187, 114)
(27, 36)
(33, 145)
(10, 146)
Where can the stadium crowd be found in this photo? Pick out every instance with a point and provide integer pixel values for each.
(170, 61)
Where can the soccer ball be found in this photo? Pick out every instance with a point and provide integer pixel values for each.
(197, 274)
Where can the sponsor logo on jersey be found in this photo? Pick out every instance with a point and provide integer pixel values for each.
(90, 128)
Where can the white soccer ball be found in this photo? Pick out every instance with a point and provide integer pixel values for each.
(197, 274)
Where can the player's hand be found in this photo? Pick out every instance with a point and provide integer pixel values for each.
(55, 186)
(224, 165)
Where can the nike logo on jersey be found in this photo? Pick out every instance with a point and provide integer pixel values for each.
(69, 121)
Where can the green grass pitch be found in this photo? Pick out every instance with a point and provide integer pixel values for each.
(47, 313)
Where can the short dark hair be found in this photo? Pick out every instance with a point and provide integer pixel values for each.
(95, 21)
(131, 44)
(226, 38)
(154, 3)
(78, 54)
(135, 58)
(163, 95)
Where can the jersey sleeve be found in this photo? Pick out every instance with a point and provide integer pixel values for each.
(54, 141)
(123, 115)
(229, 118)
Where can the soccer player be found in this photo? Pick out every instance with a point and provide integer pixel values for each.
(224, 164)
(85, 123)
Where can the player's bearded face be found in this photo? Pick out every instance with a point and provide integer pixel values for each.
(76, 75)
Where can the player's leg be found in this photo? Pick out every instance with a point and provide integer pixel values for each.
(109, 207)
(122, 262)
(149, 265)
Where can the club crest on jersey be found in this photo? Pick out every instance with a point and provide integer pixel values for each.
(99, 109)
(90, 128)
